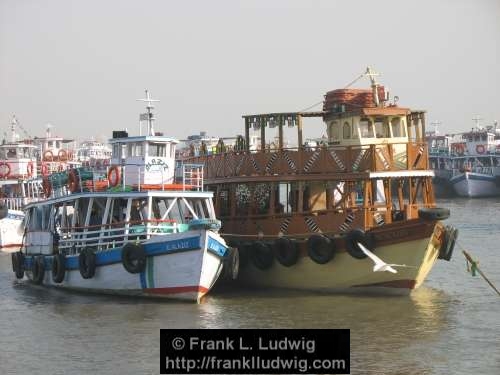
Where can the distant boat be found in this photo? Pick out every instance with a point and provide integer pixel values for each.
(19, 185)
(138, 232)
(470, 164)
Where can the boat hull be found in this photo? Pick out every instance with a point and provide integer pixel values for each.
(474, 185)
(347, 274)
(11, 231)
(183, 267)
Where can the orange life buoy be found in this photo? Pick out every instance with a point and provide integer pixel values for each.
(48, 156)
(480, 149)
(114, 175)
(6, 167)
(45, 169)
(30, 169)
(63, 155)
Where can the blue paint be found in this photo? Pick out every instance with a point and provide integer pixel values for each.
(216, 247)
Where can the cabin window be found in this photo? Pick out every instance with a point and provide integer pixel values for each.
(398, 127)
(366, 128)
(333, 131)
(382, 128)
(157, 150)
(11, 153)
(347, 130)
(135, 149)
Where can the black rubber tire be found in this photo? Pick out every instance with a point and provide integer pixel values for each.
(434, 213)
(18, 264)
(87, 263)
(351, 243)
(38, 269)
(450, 238)
(262, 255)
(286, 252)
(231, 264)
(134, 258)
(320, 249)
(58, 268)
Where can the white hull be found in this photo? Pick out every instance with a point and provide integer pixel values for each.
(182, 266)
(11, 231)
(473, 185)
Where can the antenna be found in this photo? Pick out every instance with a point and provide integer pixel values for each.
(436, 124)
(372, 74)
(149, 115)
(476, 121)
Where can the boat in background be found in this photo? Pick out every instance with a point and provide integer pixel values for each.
(300, 215)
(19, 185)
(93, 154)
(139, 232)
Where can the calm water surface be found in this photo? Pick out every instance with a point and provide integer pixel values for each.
(451, 325)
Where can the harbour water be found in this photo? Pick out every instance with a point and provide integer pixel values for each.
(451, 325)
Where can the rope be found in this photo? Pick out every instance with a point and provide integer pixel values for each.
(474, 267)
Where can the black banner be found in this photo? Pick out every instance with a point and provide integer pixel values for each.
(255, 351)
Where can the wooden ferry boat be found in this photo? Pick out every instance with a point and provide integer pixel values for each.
(318, 218)
(138, 232)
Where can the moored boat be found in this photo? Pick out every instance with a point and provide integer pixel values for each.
(329, 218)
(139, 232)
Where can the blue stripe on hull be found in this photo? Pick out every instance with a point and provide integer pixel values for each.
(107, 257)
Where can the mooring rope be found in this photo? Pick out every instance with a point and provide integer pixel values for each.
(474, 267)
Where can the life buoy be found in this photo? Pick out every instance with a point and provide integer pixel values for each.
(433, 213)
(58, 268)
(320, 249)
(262, 255)
(448, 244)
(30, 169)
(48, 156)
(5, 168)
(73, 181)
(60, 167)
(63, 155)
(480, 149)
(38, 268)
(45, 170)
(86, 263)
(18, 264)
(286, 252)
(231, 264)
(46, 186)
(134, 258)
(356, 236)
(114, 175)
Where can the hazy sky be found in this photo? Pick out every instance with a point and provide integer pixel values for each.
(80, 65)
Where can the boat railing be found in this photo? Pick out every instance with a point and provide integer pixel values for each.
(108, 236)
(16, 203)
(188, 176)
(316, 160)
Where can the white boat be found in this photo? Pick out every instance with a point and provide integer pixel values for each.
(93, 154)
(137, 233)
(468, 166)
(18, 186)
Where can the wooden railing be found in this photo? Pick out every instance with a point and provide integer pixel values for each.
(332, 159)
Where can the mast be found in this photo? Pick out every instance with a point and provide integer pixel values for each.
(149, 117)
